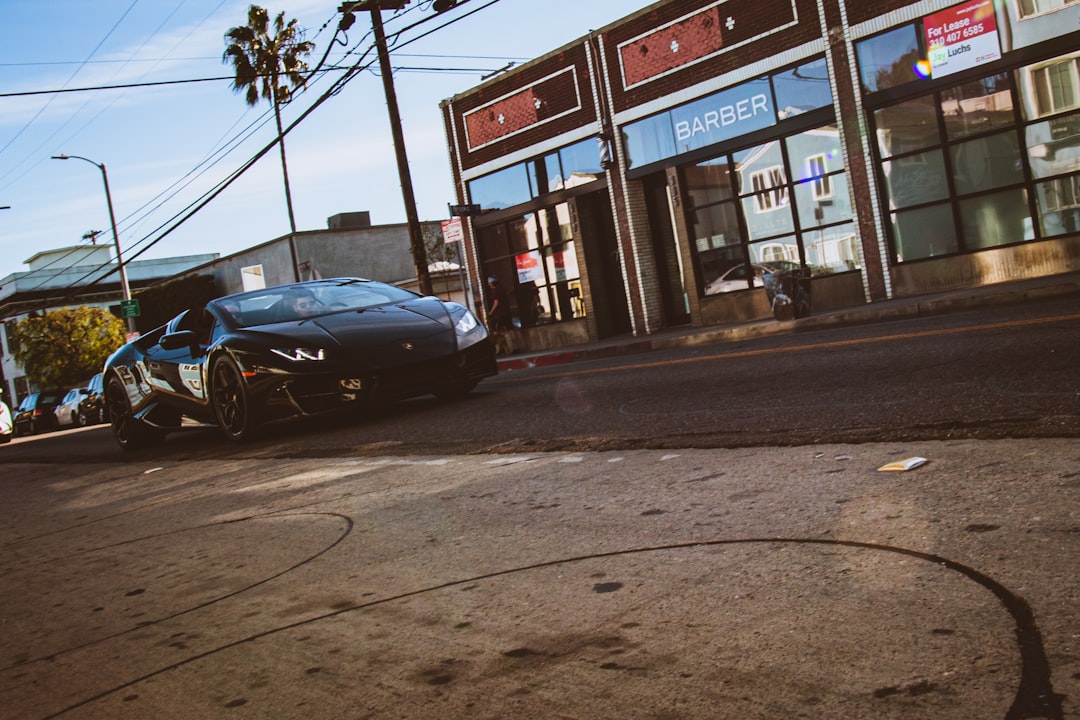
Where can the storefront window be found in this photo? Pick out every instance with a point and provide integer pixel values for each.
(709, 182)
(571, 166)
(925, 232)
(545, 175)
(802, 89)
(972, 189)
(581, 159)
(502, 189)
(988, 162)
(888, 60)
(995, 219)
(1053, 146)
(817, 208)
(832, 249)
(728, 114)
(724, 270)
(716, 226)
(775, 254)
(916, 179)
(1059, 206)
(978, 106)
(539, 268)
(649, 140)
(907, 127)
(792, 209)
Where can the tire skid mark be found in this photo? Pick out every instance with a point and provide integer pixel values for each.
(1035, 696)
(165, 618)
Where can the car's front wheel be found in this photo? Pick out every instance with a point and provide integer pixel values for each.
(232, 406)
(130, 432)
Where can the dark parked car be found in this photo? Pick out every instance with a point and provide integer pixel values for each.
(295, 349)
(36, 412)
(91, 409)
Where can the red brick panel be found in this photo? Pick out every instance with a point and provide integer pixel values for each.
(671, 46)
(560, 80)
(691, 41)
(502, 117)
(708, 31)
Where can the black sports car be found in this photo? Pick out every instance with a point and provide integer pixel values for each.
(292, 350)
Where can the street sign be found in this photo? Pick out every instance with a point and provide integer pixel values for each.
(463, 210)
(130, 308)
(452, 231)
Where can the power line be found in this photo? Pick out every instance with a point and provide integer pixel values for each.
(167, 227)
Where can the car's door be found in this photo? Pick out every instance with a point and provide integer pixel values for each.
(174, 364)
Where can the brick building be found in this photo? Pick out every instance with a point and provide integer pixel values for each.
(652, 173)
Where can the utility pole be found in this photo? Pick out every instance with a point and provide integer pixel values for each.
(416, 237)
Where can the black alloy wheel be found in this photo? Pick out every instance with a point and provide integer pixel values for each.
(231, 404)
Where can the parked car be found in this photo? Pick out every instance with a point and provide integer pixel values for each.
(35, 413)
(6, 429)
(296, 349)
(735, 278)
(92, 407)
(67, 410)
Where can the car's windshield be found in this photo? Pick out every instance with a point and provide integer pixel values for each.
(302, 300)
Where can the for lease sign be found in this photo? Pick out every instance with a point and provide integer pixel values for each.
(962, 37)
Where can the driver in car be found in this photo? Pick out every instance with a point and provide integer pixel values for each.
(304, 304)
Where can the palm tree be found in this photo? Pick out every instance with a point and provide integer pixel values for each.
(270, 67)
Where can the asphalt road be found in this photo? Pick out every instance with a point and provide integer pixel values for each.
(552, 547)
(743, 583)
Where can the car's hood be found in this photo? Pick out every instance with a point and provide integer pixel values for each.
(383, 335)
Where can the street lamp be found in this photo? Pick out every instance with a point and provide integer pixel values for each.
(124, 288)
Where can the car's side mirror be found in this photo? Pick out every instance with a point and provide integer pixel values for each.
(181, 339)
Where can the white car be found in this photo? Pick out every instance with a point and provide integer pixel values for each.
(735, 278)
(67, 412)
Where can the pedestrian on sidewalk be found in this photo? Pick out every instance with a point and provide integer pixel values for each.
(500, 322)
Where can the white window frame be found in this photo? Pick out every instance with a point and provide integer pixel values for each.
(1039, 7)
(770, 189)
(1040, 76)
(817, 169)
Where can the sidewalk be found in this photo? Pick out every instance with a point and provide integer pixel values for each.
(920, 305)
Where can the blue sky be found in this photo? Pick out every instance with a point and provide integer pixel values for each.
(164, 146)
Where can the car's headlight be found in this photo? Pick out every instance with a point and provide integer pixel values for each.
(300, 354)
(466, 323)
(468, 329)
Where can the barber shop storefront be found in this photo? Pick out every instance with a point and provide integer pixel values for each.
(664, 170)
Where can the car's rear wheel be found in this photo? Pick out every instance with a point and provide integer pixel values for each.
(232, 405)
(130, 432)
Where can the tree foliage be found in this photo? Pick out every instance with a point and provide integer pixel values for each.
(267, 65)
(66, 347)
